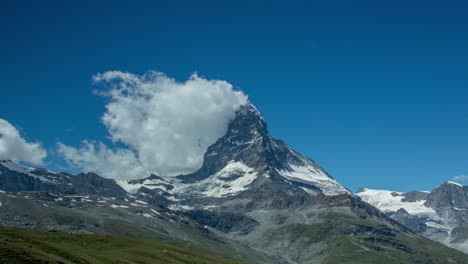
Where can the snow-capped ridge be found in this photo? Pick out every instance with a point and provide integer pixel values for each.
(13, 166)
(391, 201)
(37, 173)
(308, 172)
(454, 183)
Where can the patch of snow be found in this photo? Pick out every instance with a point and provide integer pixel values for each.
(140, 202)
(455, 183)
(309, 191)
(220, 184)
(310, 173)
(179, 207)
(209, 207)
(172, 198)
(154, 211)
(389, 201)
(148, 183)
(147, 215)
(118, 206)
(129, 187)
(437, 226)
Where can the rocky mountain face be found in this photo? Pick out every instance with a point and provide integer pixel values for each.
(441, 214)
(254, 198)
(16, 178)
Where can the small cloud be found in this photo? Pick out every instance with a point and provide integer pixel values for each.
(460, 178)
(14, 147)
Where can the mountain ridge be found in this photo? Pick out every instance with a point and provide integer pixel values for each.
(441, 214)
(254, 198)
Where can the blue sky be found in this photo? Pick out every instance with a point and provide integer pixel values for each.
(375, 92)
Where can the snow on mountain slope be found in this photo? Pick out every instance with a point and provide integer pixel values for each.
(13, 166)
(441, 214)
(390, 201)
(307, 172)
(454, 183)
(233, 178)
(128, 186)
(40, 174)
(152, 183)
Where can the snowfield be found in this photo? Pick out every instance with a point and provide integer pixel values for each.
(390, 201)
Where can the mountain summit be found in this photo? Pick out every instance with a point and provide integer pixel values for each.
(248, 151)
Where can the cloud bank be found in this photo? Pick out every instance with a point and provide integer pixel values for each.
(165, 125)
(14, 147)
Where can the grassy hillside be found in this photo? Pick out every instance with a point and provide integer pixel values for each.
(339, 238)
(352, 240)
(22, 246)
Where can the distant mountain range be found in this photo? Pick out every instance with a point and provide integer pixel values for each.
(254, 200)
(441, 214)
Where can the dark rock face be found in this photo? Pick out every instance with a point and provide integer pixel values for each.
(14, 181)
(414, 196)
(15, 178)
(93, 184)
(224, 221)
(415, 223)
(450, 201)
(460, 234)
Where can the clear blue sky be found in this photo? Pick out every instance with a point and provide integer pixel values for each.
(375, 91)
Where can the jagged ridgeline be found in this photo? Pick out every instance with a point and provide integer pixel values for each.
(441, 214)
(254, 200)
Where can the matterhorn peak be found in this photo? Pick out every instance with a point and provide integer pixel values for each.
(247, 153)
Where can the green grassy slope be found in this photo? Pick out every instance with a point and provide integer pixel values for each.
(22, 246)
(354, 240)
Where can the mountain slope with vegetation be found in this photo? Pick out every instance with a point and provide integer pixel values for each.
(22, 246)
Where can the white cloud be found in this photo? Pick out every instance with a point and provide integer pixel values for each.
(460, 178)
(166, 125)
(14, 147)
(96, 157)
